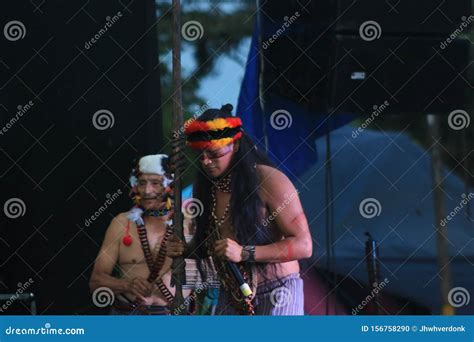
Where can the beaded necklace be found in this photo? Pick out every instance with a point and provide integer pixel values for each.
(155, 212)
(243, 304)
(223, 183)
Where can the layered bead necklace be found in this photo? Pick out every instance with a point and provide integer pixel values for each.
(243, 305)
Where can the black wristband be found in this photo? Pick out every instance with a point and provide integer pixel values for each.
(248, 253)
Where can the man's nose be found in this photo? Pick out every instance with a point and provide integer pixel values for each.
(148, 188)
(205, 160)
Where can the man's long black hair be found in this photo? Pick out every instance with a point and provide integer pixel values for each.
(245, 201)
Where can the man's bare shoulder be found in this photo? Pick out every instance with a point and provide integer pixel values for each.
(122, 217)
(275, 185)
(119, 222)
(271, 177)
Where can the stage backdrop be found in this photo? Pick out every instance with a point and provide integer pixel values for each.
(80, 98)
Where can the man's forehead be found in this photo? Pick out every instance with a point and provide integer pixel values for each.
(223, 148)
(150, 176)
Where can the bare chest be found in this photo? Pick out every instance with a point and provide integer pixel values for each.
(133, 254)
(221, 216)
(223, 220)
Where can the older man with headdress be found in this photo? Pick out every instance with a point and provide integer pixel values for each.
(252, 221)
(135, 243)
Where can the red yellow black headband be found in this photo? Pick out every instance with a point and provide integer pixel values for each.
(214, 133)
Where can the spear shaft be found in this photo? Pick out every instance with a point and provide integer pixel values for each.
(178, 266)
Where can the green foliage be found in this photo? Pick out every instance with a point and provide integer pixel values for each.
(223, 31)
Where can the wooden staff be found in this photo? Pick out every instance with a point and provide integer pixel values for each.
(178, 266)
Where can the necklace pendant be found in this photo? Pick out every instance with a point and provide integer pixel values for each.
(127, 240)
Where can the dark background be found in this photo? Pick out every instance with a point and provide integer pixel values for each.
(53, 157)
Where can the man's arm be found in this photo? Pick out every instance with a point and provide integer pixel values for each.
(286, 210)
(282, 199)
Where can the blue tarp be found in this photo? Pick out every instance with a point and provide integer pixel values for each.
(392, 169)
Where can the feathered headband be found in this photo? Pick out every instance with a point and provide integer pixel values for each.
(215, 133)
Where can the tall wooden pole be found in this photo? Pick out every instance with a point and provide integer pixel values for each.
(178, 266)
(441, 231)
